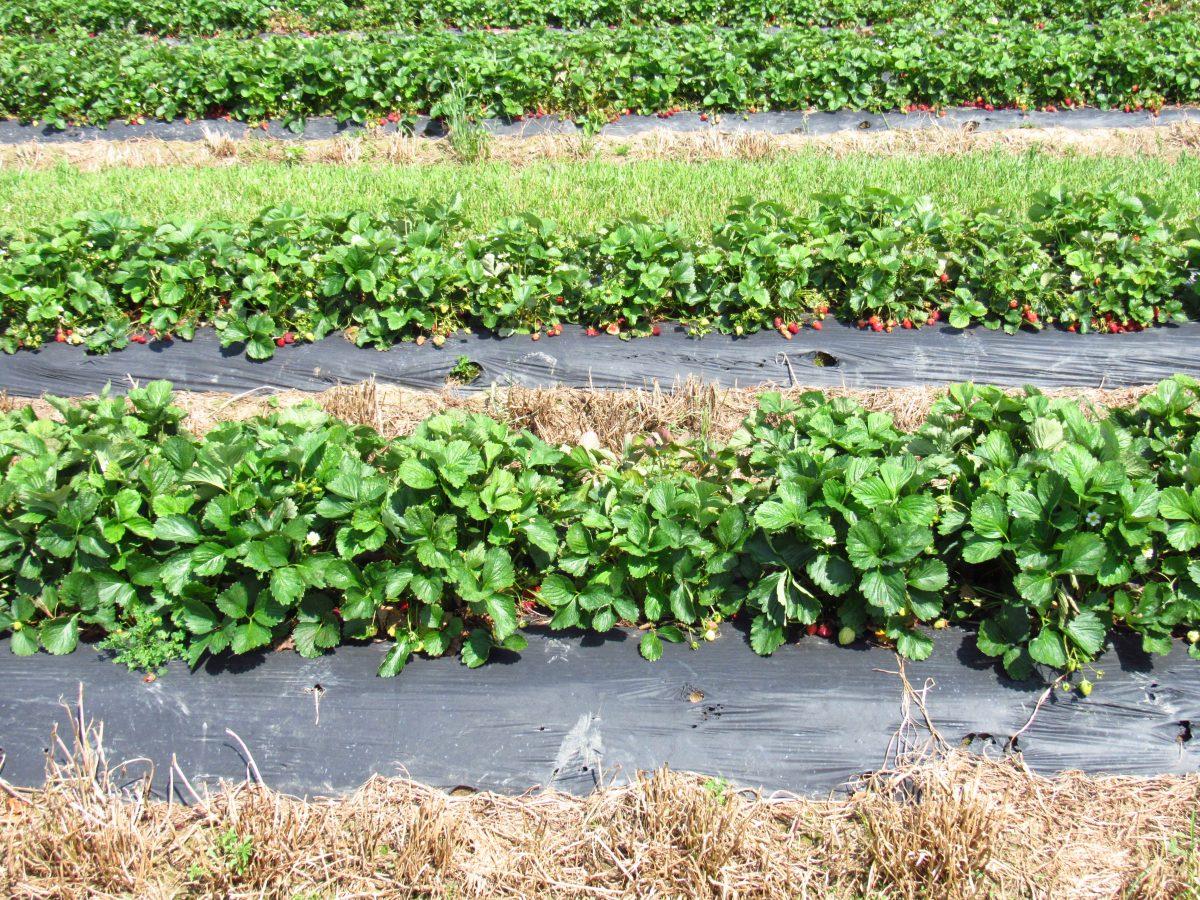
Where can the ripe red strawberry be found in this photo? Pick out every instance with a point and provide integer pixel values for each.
(1012, 304)
(811, 629)
(60, 337)
(703, 117)
(656, 331)
(878, 326)
(935, 314)
(873, 321)
(778, 322)
(944, 278)
(817, 326)
(1071, 327)
(793, 328)
(280, 342)
(591, 332)
(906, 323)
(823, 630)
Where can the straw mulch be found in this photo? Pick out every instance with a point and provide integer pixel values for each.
(690, 409)
(1168, 141)
(935, 823)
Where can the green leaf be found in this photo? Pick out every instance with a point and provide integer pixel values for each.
(638, 531)
(395, 660)
(556, 590)
(1046, 434)
(885, 589)
(287, 585)
(832, 574)
(497, 572)
(731, 527)
(112, 588)
(604, 620)
(1082, 555)
(60, 635)
(765, 638)
(250, 635)
(1175, 503)
(1184, 536)
(913, 644)
(773, 516)
(196, 615)
(24, 642)
(313, 637)
(503, 611)
(476, 648)
(989, 517)
(976, 550)
(542, 535)
(1087, 632)
(179, 529)
(928, 575)
(234, 601)
(1047, 648)
(417, 475)
(651, 646)
(1036, 587)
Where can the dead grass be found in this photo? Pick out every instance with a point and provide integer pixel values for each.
(1168, 142)
(937, 823)
(691, 409)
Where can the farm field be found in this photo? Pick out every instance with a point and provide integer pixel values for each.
(595, 74)
(508, 534)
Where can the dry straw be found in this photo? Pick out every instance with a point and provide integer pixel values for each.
(1168, 141)
(688, 409)
(936, 822)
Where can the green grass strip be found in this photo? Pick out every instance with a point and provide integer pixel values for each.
(582, 196)
(1048, 528)
(594, 73)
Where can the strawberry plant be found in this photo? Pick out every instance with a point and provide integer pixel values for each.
(845, 523)
(1134, 61)
(252, 16)
(101, 280)
(1047, 528)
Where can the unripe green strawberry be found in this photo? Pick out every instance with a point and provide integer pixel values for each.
(846, 635)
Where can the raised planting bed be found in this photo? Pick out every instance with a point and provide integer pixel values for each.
(322, 128)
(837, 356)
(596, 74)
(1074, 260)
(572, 713)
(1051, 528)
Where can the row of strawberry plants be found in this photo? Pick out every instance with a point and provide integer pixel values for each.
(594, 74)
(1047, 527)
(191, 17)
(1075, 260)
